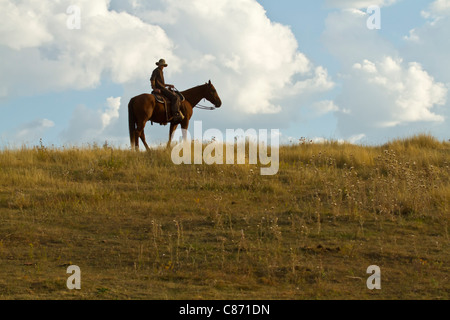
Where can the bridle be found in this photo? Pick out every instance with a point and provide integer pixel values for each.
(199, 106)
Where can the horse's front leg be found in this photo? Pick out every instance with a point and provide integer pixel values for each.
(172, 129)
(184, 128)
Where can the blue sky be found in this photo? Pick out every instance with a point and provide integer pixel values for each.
(309, 68)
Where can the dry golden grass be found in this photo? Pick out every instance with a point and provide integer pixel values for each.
(140, 227)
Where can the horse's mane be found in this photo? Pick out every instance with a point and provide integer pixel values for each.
(194, 88)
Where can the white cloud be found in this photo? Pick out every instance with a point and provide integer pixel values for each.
(436, 11)
(389, 93)
(380, 89)
(323, 107)
(29, 132)
(253, 61)
(318, 140)
(429, 43)
(23, 27)
(89, 125)
(112, 111)
(321, 140)
(412, 37)
(438, 8)
(356, 138)
(117, 45)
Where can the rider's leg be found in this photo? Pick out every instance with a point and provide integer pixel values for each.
(175, 105)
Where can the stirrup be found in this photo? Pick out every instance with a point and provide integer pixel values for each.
(178, 118)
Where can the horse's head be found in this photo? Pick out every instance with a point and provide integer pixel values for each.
(212, 96)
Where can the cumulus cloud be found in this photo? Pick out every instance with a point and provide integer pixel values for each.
(254, 61)
(429, 43)
(356, 138)
(29, 132)
(388, 93)
(437, 8)
(117, 45)
(112, 111)
(89, 125)
(22, 27)
(323, 107)
(34, 129)
(380, 89)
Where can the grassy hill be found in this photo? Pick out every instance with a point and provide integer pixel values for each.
(140, 227)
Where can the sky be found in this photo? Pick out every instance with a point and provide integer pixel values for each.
(311, 69)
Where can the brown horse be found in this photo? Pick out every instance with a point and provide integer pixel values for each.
(145, 108)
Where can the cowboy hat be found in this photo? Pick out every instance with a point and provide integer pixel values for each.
(162, 62)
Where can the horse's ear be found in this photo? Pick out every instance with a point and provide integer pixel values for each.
(209, 82)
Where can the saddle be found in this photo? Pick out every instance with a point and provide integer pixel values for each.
(162, 99)
(166, 102)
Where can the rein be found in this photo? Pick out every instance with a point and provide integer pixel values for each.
(199, 106)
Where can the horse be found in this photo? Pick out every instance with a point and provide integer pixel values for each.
(144, 108)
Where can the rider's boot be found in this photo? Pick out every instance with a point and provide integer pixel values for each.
(177, 114)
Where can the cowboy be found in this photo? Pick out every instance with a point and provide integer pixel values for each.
(159, 86)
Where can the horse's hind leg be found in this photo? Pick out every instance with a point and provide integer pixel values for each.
(134, 140)
(143, 141)
(141, 134)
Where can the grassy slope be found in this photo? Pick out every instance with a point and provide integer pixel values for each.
(140, 227)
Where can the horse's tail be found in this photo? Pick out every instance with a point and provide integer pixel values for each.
(131, 122)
